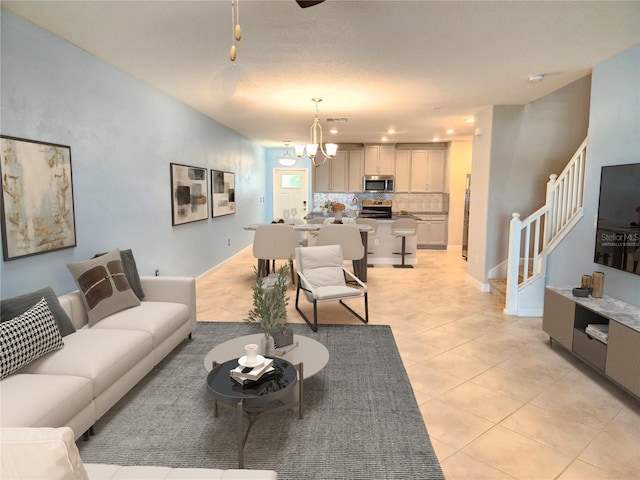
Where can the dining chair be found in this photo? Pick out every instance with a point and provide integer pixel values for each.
(374, 225)
(321, 277)
(274, 241)
(348, 237)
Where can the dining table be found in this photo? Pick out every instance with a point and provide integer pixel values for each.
(360, 266)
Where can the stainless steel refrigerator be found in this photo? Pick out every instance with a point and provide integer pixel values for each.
(465, 225)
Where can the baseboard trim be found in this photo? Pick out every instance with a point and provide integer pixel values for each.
(215, 267)
(483, 287)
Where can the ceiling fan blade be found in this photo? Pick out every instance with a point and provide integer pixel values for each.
(304, 4)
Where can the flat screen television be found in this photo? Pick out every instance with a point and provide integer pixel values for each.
(618, 227)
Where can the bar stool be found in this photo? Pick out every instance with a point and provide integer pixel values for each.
(404, 227)
(372, 233)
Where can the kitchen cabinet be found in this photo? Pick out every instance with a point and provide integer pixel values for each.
(432, 231)
(427, 170)
(379, 159)
(356, 170)
(342, 173)
(322, 177)
(339, 172)
(402, 173)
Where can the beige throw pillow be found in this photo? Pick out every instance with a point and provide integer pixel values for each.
(104, 286)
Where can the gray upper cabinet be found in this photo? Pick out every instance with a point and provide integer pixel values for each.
(379, 159)
(342, 173)
(427, 171)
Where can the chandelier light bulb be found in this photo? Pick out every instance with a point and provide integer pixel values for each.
(238, 33)
(232, 53)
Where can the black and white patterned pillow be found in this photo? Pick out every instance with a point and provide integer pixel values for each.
(27, 337)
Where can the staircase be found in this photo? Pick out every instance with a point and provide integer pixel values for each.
(532, 239)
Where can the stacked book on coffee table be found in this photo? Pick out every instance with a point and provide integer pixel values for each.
(249, 377)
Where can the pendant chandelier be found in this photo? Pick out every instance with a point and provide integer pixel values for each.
(328, 150)
(286, 160)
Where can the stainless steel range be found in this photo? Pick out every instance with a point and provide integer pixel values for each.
(375, 209)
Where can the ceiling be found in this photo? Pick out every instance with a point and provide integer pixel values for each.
(418, 67)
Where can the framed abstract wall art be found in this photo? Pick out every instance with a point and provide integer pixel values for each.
(223, 187)
(37, 197)
(189, 190)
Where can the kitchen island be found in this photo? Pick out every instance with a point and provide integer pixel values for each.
(383, 247)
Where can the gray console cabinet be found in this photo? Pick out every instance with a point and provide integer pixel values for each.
(565, 318)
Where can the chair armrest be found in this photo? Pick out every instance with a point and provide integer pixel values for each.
(358, 281)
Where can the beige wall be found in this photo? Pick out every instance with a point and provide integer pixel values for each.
(520, 146)
(458, 166)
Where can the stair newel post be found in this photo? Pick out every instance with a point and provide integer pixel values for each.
(550, 203)
(513, 264)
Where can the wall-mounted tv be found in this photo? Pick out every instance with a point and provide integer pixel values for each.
(618, 228)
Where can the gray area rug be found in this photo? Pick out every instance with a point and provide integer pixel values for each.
(361, 418)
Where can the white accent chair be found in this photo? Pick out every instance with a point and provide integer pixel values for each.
(321, 277)
(274, 241)
(404, 227)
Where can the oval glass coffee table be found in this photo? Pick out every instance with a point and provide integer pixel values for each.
(309, 352)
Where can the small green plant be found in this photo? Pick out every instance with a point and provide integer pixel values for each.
(270, 304)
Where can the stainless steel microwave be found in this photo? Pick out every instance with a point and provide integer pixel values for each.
(378, 183)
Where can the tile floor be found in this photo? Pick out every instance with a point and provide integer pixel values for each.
(497, 401)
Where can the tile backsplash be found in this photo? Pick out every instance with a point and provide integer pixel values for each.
(411, 202)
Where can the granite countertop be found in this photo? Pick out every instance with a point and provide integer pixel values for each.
(612, 308)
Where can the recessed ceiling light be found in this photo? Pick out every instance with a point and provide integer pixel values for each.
(469, 120)
(384, 139)
(435, 139)
(333, 130)
(538, 77)
(449, 131)
(391, 131)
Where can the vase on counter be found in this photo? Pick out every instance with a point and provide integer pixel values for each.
(267, 345)
(597, 284)
(325, 211)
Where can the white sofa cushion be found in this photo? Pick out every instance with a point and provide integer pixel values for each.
(159, 319)
(42, 400)
(103, 356)
(40, 454)
(114, 472)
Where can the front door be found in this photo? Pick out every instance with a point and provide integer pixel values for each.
(290, 190)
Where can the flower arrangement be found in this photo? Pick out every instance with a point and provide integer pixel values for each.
(270, 302)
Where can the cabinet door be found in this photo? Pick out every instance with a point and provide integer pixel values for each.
(437, 232)
(371, 159)
(423, 234)
(557, 317)
(623, 356)
(402, 170)
(435, 171)
(419, 160)
(322, 177)
(339, 171)
(355, 170)
(387, 157)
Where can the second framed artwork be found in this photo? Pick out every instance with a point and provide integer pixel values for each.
(223, 197)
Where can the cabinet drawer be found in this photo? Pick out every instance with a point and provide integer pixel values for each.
(589, 349)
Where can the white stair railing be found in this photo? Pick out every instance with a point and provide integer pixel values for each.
(531, 240)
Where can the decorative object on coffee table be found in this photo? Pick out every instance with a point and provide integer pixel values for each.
(270, 307)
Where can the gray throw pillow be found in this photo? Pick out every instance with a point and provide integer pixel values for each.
(104, 286)
(14, 306)
(27, 337)
(130, 270)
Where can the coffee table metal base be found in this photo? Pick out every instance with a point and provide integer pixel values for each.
(255, 413)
